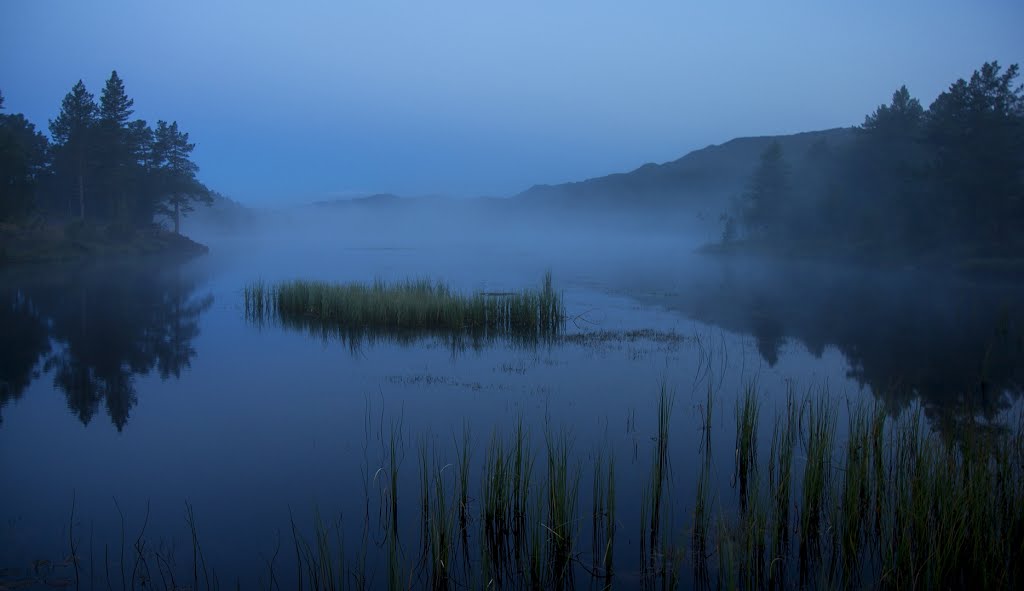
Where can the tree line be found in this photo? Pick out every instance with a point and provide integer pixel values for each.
(942, 182)
(99, 164)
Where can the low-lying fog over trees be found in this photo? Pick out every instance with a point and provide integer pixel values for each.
(946, 181)
(910, 185)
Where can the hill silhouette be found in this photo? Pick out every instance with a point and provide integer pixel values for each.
(703, 179)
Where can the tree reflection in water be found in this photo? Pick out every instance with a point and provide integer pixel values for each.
(954, 345)
(95, 330)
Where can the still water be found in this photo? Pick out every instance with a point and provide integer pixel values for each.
(133, 388)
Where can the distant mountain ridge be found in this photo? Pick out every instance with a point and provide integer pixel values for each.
(700, 179)
(367, 200)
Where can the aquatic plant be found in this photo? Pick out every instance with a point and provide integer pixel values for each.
(563, 477)
(820, 415)
(746, 438)
(893, 505)
(404, 309)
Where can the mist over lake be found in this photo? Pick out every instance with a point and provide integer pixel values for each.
(512, 315)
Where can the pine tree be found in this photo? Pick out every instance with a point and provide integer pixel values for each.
(142, 181)
(23, 160)
(176, 173)
(767, 193)
(114, 149)
(902, 117)
(115, 106)
(885, 203)
(73, 131)
(977, 131)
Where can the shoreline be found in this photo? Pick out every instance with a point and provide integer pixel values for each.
(79, 241)
(1007, 268)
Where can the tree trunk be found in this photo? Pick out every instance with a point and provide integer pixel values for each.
(177, 218)
(81, 193)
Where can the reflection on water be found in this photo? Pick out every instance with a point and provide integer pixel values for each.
(956, 346)
(274, 399)
(95, 330)
(407, 311)
(23, 341)
(358, 337)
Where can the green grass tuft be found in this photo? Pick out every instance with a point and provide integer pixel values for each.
(406, 309)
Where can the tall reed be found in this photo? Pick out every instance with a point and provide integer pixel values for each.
(699, 539)
(603, 514)
(441, 530)
(780, 480)
(819, 414)
(463, 451)
(563, 477)
(895, 505)
(660, 462)
(855, 501)
(747, 410)
(357, 311)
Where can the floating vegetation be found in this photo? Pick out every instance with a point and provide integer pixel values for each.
(669, 340)
(407, 310)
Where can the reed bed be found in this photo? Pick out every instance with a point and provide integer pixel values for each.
(441, 528)
(406, 309)
(780, 482)
(656, 540)
(505, 492)
(747, 410)
(892, 505)
(819, 415)
(563, 479)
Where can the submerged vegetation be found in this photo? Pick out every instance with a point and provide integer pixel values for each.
(406, 309)
(894, 506)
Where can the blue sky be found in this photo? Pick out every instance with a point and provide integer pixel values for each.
(304, 100)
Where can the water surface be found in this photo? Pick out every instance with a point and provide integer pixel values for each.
(141, 384)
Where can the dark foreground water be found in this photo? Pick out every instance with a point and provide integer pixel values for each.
(133, 388)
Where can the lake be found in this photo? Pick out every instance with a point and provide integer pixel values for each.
(134, 388)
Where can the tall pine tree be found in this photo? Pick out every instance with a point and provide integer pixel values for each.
(114, 151)
(143, 178)
(176, 173)
(977, 131)
(767, 193)
(885, 203)
(23, 161)
(73, 132)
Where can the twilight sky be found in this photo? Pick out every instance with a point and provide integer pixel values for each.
(297, 101)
